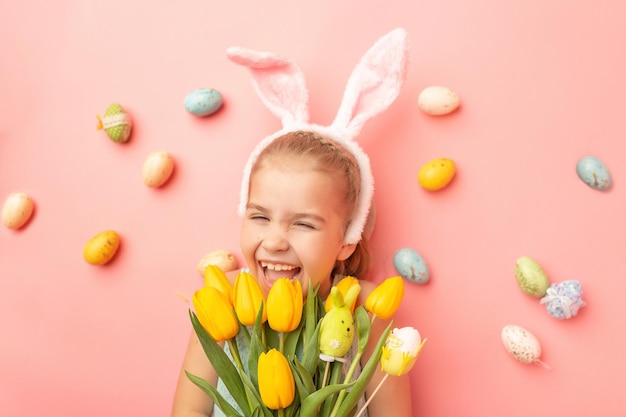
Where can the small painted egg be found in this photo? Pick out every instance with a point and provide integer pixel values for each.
(531, 278)
(157, 168)
(17, 210)
(203, 102)
(101, 248)
(563, 300)
(521, 344)
(593, 173)
(116, 123)
(411, 266)
(438, 100)
(224, 259)
(436, 174)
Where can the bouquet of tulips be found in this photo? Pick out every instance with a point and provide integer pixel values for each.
(295, 347)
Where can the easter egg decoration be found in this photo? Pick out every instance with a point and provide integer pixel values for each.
(101, 248)
(438, 100)
(522, 344)
(531, 278)
(203, 102)
(222, 258)
(157, 168)
(436, 174)
(17, 210)
(593, 173)
(116, 123)
(337, 326)
(564, 299)
(411, 266)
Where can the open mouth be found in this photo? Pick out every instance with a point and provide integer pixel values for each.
(272, 271)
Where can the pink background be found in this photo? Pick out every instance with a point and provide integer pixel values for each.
(542, 84)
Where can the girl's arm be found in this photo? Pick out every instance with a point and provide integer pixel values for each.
(393, 399)
(189, 400)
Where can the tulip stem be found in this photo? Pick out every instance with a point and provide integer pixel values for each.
(281, 341)
(362, 410)
(234, 350)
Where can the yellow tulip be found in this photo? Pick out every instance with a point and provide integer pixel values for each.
(343, 285)
(400, 351)
(276, 384)
(284, 305)
(384, 301)
(216, 278)
(248, 299)
(215, 313)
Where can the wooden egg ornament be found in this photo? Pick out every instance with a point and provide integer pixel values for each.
(157, 168)
(101, 248)
(411, 266)
(116, 123)
(436, 174)
(531, 278)
(203, 102)
(17, 210)
(521, 344)
(222, 258)
(438, 100)
(593, 173)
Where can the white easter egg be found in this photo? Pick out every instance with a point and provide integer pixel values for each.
(17, 210)
(157, 168)
(521, 344)
(437, 100)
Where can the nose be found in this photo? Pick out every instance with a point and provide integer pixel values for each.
(275, 240)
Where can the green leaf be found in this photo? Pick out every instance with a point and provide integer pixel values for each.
(221, 363)
(212, 392)
(311, 351)
(366, 374)
(291, 341)
(254, 396)
(310, 313)
(364, 327)
(311, 403)
(303, 376)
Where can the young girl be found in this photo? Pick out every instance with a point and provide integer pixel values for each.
(305, 201)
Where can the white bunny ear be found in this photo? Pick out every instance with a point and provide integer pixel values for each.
(374, 84)
(279, 82)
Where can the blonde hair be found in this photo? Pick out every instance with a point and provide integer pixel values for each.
(330, 157)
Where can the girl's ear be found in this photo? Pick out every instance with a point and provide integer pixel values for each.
(346, 251)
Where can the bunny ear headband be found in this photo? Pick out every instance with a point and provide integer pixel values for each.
(372, 87)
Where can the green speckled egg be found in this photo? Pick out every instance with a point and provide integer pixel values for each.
(531, 278)
(116, 123)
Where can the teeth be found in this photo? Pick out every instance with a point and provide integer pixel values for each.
(277, 267)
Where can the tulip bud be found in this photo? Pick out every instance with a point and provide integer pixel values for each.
(284, 305)
(248, 299)
(343, 285)
(401, 350)
(215, 313)
(216, 278)
(386, 298)
(276, 383)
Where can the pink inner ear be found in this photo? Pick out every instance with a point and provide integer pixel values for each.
(279, 83)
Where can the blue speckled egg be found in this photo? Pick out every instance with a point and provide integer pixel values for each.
(563, 300)
(593, 173)
(411, 265)
(203, 101)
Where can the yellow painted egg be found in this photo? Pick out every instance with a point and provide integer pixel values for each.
(17, 210)
(157, 168)
(436, 174)
(101, 248)
(222, 258)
